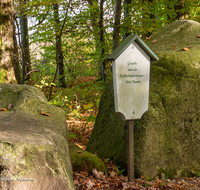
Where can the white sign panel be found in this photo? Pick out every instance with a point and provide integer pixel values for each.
(131, 82)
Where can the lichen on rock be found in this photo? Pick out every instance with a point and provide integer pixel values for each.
(167, 135)
(34, 152)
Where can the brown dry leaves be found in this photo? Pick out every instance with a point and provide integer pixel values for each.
(9, 108)
(112, 180)
(3, 109)
(187, 48)
(100, 181)
(83, 131)
(154, 41)
(45, 114)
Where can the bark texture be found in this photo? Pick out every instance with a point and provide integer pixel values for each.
(16, 64)
(26, 62)
(59, 54)
(6, 40)
(117, 24)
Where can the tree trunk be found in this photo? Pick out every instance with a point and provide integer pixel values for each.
(148, 20)
(179, 10)
(94, 16)
(117, 24)
(96, 13)
(6, 38)
(101, 35)
(16, 64)
(61, 71)
(26, 62)
(126, 14)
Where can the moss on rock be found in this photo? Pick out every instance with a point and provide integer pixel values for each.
(33, 146)
(167, 135)
(83, 160)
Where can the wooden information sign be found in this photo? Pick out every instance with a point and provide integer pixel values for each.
(131, 71)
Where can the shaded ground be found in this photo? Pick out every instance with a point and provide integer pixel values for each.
(114, 180)
(80, 130)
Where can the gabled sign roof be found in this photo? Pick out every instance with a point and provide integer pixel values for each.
(126, 42)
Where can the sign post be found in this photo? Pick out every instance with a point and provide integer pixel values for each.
(131, 71)
(130, 150)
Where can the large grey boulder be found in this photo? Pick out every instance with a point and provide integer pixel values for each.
(34, 151)
(167, 137)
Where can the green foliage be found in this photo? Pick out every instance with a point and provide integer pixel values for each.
(168, 174)
(148, 178)
(189, 174)
(146, 185)
(72, 135)
(120, 172)
(2, 76)
(163, 184)
(91, 118)
(81, 46)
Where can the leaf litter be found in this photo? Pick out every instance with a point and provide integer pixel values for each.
(81, 128)
(114, 180)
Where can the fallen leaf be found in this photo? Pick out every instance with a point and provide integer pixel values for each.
(170, 185)
(198, 36)
(3, 109)
(98, 185)
(9, 106)
(179, 188)
(46, 114)
(154, 41)
(88, 106)
(174, 47)
(79, 151)
(97, 174)
(185, 49)
(90, 184)
(148, 38)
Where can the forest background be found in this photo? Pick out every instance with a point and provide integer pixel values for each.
(73, 38)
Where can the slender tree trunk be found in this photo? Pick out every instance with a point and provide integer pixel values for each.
(101, 35)
(6, 38)
(126, 15)
(148, 20)
(97, 13)
(16, 64)
(180, 9)
(180, 12)
(94, 16)
(26, 62)
(117, 24)
(61, 71)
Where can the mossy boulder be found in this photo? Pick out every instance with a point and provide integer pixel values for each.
(84, 161)
(34, 152)
(167, 136)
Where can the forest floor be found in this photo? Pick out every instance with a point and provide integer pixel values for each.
(114, 180)
(81, 118)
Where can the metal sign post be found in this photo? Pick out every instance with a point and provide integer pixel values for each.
(131, 70)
